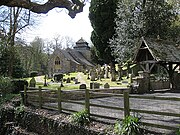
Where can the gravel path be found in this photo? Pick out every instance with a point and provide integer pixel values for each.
(142, 104)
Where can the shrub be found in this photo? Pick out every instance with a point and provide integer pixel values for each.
(129, 126)
(178, 131)
(18, 85)
(58, 77)
(33, 73)
(80, 118)
(5, 85)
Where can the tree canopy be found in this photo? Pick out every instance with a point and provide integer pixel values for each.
(102, 14)
(73, 6)
(157, 18)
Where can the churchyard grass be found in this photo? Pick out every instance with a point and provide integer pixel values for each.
(72, 85)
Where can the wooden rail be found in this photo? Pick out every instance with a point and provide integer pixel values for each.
(36, 97)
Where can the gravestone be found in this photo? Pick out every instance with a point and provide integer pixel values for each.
(76, 81)
(68, 80)
(94, 85)
(106, 72)
(93, 75)
(99, 72)
(113, 75)
(119, 72)
(32, 82)
(82, 86)
(106, 86)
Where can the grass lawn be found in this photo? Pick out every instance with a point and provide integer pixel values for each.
(82, 78)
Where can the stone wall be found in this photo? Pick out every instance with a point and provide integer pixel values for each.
(39, 124)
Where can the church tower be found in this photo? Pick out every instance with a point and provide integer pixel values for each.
(82, 47)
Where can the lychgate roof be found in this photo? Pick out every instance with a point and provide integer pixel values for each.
(157, 50)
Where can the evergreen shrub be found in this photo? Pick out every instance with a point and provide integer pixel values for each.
(33, 73)
(58, 77)
(18, 85)
(5, 86)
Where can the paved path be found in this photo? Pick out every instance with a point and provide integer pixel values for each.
(142, 104)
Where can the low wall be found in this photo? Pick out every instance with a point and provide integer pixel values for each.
(157, 85)
(42, 125)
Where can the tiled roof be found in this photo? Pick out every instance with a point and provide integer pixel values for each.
(161, 50)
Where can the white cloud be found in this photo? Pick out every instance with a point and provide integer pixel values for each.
(60, 23)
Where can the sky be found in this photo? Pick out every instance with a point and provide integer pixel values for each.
(60, 23)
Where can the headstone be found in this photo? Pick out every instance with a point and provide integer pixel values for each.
(68, 80)
(93, 75)
(119, 72)
(88, 76)
(82, 86)
(76, 81)
(103, 72)
(94, 85)
(106, 85)
(113, 75)
(32, 82)
(107, 72)
(99, 72)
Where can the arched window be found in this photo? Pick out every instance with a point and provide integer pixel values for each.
(57, 61)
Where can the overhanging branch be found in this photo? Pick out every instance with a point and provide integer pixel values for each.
(73, 6)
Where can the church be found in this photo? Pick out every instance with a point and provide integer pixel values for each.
(71, 60)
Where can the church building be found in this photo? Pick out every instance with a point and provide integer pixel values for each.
(71, 60)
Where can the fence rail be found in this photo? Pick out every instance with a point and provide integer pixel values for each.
(41, 97)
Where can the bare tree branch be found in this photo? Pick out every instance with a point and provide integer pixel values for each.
(73, 6)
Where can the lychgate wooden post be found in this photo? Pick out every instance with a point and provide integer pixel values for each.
(126, 103)
(40, 97)
(59, 100)
(87, 104)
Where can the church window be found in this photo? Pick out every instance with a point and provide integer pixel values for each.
(57, 61)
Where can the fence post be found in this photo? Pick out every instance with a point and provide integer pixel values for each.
(40, 97)
(126, 103)
(25, 95)
(87, 105)
(59, 100)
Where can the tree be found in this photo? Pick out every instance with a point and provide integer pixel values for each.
(38, 62)
(57, 42)
(13, 20)
(69, 42)
(158, 18)
(102, 14)
(134, 20)
(5, 59)
(128, 29)
(73, 6)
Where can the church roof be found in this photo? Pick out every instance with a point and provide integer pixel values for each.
(74, 56)
(158, 50)
(81, 43)
(78, 56)
(81, 40)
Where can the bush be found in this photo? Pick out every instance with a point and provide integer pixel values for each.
(80, 118)
(58, 77)
(18, 85)
(33, 73)
(178, 131)
(5, 86)
(129, 126)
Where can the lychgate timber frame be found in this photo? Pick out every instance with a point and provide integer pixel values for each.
(157, 51)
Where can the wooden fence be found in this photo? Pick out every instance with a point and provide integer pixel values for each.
(41, 97)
